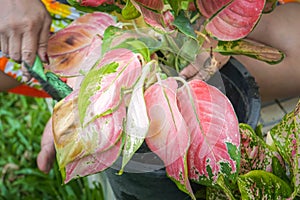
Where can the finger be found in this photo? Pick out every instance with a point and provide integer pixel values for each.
(46, 156)
(29, 50)
(15, 43)
(192, 69)
(26, 77)
(29, 46)
(4, 45)
(189, 71)
(43, 40)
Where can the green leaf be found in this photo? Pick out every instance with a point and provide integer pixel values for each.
(183, 24)
(136, 46)
(287, 140)
(56, 87)
(189, 51)
(138, 41)
(222, 183)
(180, 50)
(137, 123)
(270, 5)
(213, 193)
(250, 48)
(38, 67)
(91, 84)
(279, 170)
(259, 184)
(178, 5)
(109, 35)
(152, 43)
(129, 11)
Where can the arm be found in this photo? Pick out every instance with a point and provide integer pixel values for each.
(24, 30)
(7, 82)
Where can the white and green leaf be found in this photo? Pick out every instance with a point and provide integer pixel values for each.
(137, 123)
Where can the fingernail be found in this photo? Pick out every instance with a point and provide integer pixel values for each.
(26, 77)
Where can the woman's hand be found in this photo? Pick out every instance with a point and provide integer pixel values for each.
(205, 65)
(24, 30)
(46, 156)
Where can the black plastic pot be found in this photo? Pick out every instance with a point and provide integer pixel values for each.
(242, 91)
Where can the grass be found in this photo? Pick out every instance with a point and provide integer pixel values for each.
(22, 120)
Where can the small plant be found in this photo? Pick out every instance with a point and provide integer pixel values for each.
(127, 91)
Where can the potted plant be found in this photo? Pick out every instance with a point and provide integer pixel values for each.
(127, 93)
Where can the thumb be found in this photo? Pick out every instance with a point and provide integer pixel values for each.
(43, 40)
(46, 156)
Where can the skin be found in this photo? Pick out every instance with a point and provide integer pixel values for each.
(24, 30)
(280, 80)
(46, 156)
(7, 82)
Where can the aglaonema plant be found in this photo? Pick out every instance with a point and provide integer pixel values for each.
(126, 92)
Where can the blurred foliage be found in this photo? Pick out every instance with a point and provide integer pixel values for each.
(22, 120)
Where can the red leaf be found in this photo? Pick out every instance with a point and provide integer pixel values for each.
(209, 7)
(236, 20)
(78, 46)
(152, 12)
(214, 128)
(94, 3)
(157, 5)
(168, 136)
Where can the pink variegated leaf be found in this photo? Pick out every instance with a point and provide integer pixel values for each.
(77, 47)
(259, 184)
(286, 137)
(168, 136)
(210, 7)
(74, 142)
(236, 20)
(257, 155)
(93, 163)
(101, 90)
(103, 132)
(98, 20)
(215, 137)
